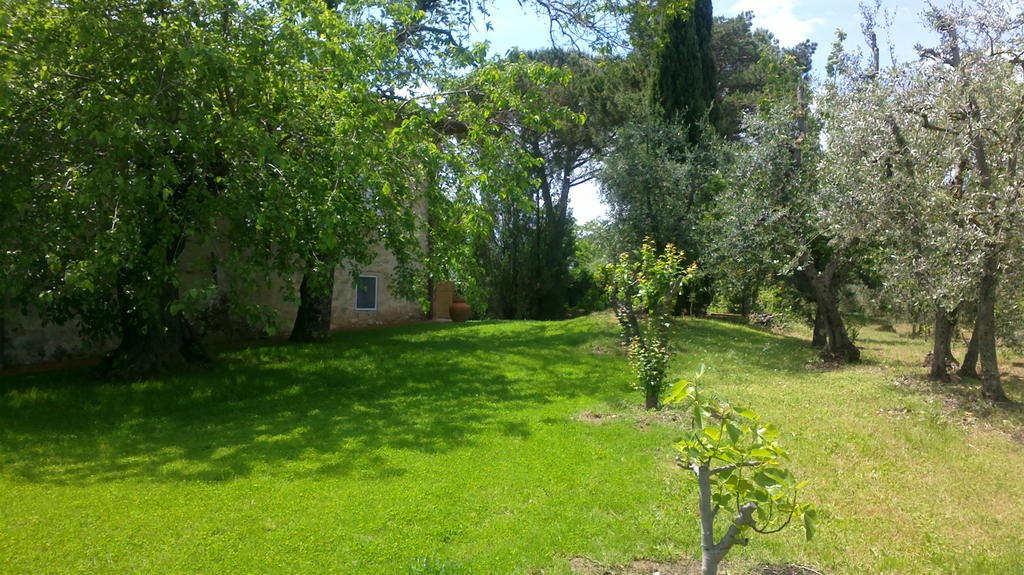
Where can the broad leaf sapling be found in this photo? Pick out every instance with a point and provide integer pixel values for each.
(737, 463)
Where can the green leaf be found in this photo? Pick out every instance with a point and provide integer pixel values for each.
(735, 433)
(748, 413)
(721, 499)
(810, 521)
(769, 433)
(765, 480)
(680, 392)
(728, 456)
(776, 475)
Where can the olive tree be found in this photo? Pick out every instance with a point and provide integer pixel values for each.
(768, 219)
(929, 151)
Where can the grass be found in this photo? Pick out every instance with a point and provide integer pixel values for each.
(444, 448)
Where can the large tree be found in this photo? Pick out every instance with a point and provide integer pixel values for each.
(420, 86)
(765, 224)
(950, 216)
(657, 174)
(375, 163)
(120, 155)
(749, 66)
(134, 129)
(755, 74)
(684, 81)
(528, 253)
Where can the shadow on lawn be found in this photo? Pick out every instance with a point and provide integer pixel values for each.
(352, 406)
(742, 347)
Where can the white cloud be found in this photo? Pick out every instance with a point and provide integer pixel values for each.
(778, 16)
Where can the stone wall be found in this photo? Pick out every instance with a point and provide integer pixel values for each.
(25, 340)
(391, 309)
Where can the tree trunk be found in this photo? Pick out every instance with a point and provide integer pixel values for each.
(680, 304)
(316, 292)
(652, 400)
(153, 339)
(709, 556)
(941, 349)
(820, 337)
(838, 346)
(991, 383)
(712, 553)
(969, 368)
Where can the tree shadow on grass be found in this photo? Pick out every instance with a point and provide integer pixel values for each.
(743, 347)
(964, 405)
(351, 406)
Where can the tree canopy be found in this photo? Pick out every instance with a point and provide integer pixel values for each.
(298, 133)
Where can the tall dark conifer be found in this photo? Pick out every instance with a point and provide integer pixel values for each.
(685, 83)
(703, 21)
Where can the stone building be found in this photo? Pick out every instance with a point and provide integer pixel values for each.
(368, 301)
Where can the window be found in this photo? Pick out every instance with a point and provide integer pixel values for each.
(366, 293)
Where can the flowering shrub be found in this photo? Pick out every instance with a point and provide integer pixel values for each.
(642, 289)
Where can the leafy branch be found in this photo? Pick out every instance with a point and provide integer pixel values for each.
(737, 464)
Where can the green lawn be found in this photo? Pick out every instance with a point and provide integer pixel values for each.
(458, 448)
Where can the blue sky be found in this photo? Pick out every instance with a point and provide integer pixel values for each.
(791, 21)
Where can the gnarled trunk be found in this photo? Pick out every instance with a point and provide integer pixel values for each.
(838, 346)
(969, 367)
(316, 292)
(820, 337)
(942, 352)
(153, 339)
(991, 382)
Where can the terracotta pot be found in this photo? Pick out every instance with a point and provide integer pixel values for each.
(459, 310)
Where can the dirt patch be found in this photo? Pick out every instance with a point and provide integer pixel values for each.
(896, 413)
(784, 570)
(1017, 435)
(597, 418)
(645, 419)
(584, 566)
(820, 365)
(963, 405)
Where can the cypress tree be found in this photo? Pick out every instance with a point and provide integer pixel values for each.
(685, 82)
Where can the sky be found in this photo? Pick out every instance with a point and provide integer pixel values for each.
(791, 21)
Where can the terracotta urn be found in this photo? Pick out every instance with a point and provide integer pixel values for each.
(459, 310)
